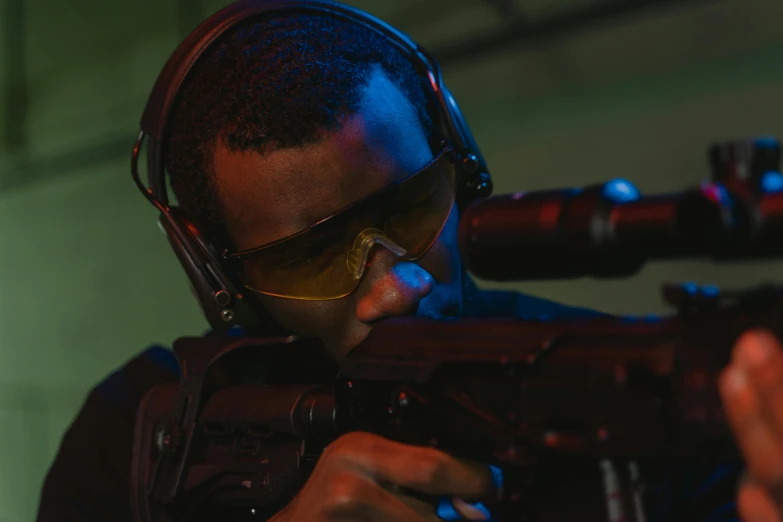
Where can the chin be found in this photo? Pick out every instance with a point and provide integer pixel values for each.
(339, 348)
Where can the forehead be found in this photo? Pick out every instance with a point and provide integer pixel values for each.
(265, 198)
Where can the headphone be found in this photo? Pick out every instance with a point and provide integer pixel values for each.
(217, 291)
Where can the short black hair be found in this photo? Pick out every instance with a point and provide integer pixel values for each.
(274, 82)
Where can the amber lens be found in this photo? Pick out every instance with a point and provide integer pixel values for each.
(420, 209)
(313, 265)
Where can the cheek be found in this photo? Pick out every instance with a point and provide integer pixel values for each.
(309, 318)
(443, 261)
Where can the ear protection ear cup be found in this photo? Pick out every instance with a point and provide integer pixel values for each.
(478, 183)
(224, 306)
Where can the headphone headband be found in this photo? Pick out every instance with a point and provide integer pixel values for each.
(163, 97)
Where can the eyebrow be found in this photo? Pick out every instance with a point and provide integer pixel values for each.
(375, 194)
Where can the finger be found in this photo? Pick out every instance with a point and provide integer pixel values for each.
(458, 509)
(470, 511)
(754, 505)
(354, 497)
(422, 469)
(758, 443)
(421, 503)
(447, 509)
(759, 354)
(425, 509)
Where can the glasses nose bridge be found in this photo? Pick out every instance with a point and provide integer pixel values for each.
(363, 246)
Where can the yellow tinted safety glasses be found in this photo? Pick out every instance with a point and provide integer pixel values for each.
(327, 259)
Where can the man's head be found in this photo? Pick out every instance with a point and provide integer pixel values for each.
(287, 120)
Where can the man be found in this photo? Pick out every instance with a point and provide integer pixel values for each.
(286, 121)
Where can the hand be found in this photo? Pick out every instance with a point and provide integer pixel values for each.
(359, 477)
(752, 391)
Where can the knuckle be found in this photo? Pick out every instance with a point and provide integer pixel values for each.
(431, 467)
(336, 448)
(350, 445)
(344, 495)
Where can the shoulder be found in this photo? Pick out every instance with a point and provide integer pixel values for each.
(88, 479)
(125, 387)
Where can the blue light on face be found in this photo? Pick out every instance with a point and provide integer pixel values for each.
(772, 182)
(620, 191)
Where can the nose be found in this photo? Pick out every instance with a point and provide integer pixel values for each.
(391, 288)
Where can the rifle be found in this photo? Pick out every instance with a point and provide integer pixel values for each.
(518, 394)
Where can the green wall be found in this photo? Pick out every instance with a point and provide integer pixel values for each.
(641, 102)
(88, 283)
(88, 280)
